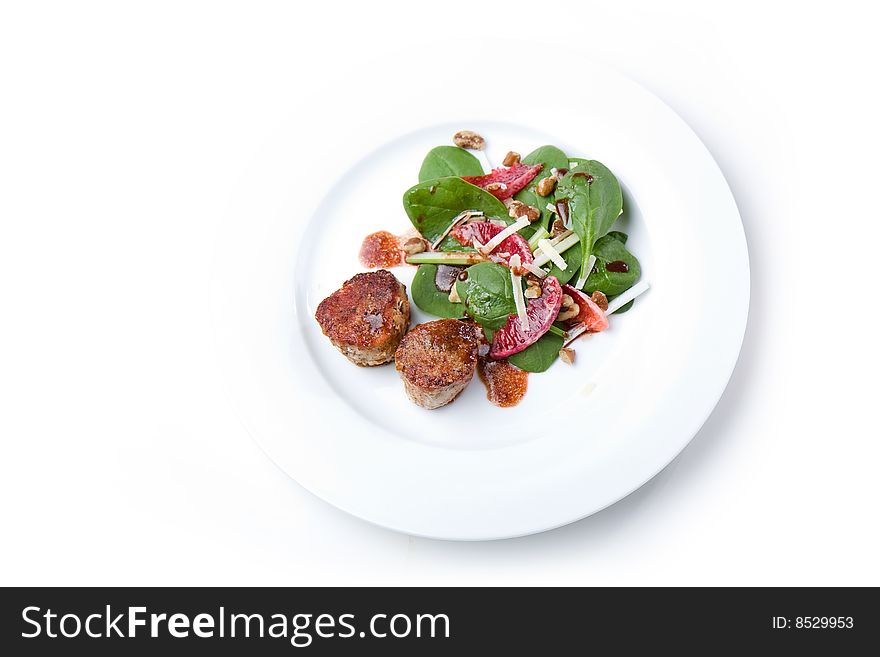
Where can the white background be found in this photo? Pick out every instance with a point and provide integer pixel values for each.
(123, 130)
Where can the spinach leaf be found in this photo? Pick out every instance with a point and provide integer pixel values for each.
(445, 161)
(551, 157)
(611, 283)
(433, 204)
(487, 294)
(595, 202)
(538, 357)
(433, 301)
(572, 258)
(488, 299)
(619, 236)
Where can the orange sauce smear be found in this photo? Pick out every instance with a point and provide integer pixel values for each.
(380, 249)
(505, 383)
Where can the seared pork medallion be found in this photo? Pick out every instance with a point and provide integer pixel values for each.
(366, 318)
(437, 360)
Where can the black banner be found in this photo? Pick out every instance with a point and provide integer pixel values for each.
(436, 621)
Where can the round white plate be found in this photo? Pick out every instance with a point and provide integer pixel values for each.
(584, 436)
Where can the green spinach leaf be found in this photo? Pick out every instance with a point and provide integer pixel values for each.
(551, 157)
(572, 258)
(433, 301)
(538, 357)
(595, 202)
(488, 299)
(611, 283)
(445, 161)
(433, 204)
(487, 293)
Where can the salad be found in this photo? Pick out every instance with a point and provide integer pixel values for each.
(519, 239)
(526, 250)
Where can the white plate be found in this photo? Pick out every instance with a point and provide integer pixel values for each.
(584, 436)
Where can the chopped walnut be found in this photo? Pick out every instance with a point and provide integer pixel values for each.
(468, 139)
(510, 159)
(557, 228)
(600, 300)
(415, 245)
(566, 355)
(518, 209)
(546, 186)
(533, 291)
(569, 309)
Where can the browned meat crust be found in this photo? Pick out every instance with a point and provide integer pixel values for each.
(366, 318)
(436, 360)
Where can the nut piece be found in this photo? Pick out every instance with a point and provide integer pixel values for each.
(415, 245)
(495, 186)
(510, 159)
(453, 294)
(546, 186)
(518, 209)
(600, 300)
(566, 355)
(468, 139)
(557, 228)
(533, 291)
(569, 309)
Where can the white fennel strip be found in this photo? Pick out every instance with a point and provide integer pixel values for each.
(553, 254)
(518, 299)
(483, 158)
(493, 243)
(562, 247)
(537, 271)
(624, 298)
(539, 234)
(575, 332)
(556, 240)
(583, 276)
(552, 208)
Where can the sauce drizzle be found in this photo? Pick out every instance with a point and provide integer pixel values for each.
(562, 211)
(505, 384)
(618, 267)
(380, 249)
